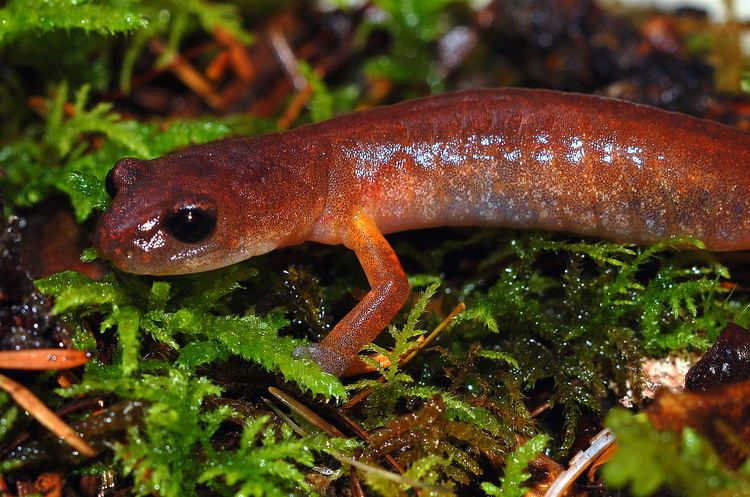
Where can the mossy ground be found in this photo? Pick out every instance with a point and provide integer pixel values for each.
(553, 334)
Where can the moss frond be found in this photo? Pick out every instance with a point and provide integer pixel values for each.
(515, 469)
(268, 461)
(19, 17)
(593, 313)
(189, 308)
(56, 157)
(386, 392)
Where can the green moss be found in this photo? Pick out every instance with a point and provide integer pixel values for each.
(9, 415)
(386, 393)
(163, 454)
(515, 469)
(396, 383)
(20, 17)
(56, 157)
(458, 421)
(265, 464)
(583, 315)
(745, 82)
(24, 20)
(414, 26)
(188, 309)
(172, 452)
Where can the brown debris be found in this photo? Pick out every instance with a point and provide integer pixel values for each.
(427, 431)
(29, 334)
(722, 415)
(727, 361)
(53, 242)
(26, 321)
(189, 75)
(49, 485)
(661, 372)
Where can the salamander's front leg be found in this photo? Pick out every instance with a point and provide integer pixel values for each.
(388, 292)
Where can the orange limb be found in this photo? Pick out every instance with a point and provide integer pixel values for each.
(360, 367)
(389, 289)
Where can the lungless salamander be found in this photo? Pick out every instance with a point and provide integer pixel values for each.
(508, 157)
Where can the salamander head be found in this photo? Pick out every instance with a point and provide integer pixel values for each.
(206, 207)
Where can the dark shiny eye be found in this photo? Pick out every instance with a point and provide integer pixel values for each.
(191, 224)
(109, 183)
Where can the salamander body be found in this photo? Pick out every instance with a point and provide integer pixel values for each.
(509, 157)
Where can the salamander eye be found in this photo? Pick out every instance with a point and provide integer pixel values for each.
(109, 183)
(191, 224)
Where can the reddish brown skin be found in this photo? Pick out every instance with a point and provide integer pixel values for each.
(518, 158)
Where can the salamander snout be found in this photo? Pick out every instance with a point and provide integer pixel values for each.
(157, 225)
(207, 206)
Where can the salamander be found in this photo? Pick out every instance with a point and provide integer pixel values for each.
(517, 158)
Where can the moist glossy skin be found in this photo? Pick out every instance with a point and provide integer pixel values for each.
(511, 157)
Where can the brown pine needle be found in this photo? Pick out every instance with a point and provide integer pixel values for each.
(27, 400)
(188, 75)
(286, 58)
(43, 359)
(216, 69)
(286, 419)
(433, 334)
(239, 59)
(364, 435)
(295, 107)
(324, 425)
(304, 411)
(360, 367)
